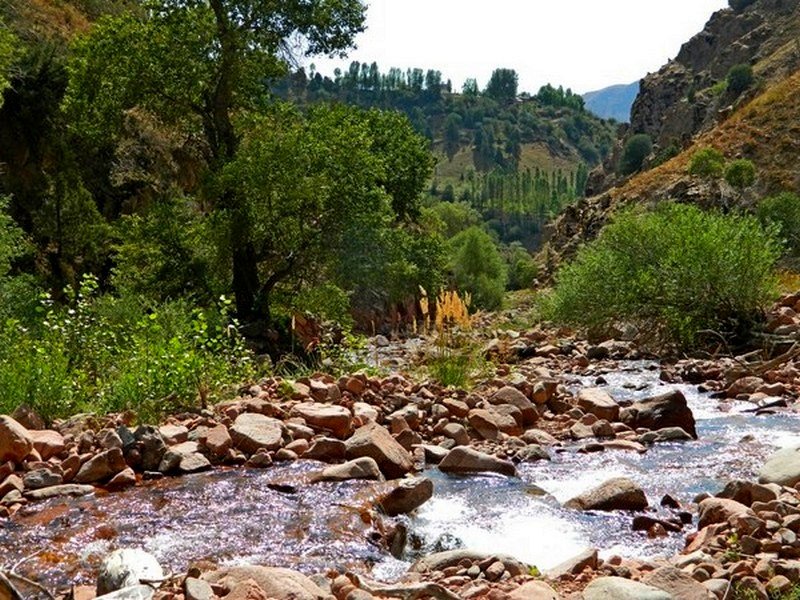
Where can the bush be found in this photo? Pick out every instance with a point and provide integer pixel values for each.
(636, 150)
(522, 269)
(673, 273)
(741, 173)
(478, 268)
(783, 212)
(739, 78)
(707, 162)
(740, 5)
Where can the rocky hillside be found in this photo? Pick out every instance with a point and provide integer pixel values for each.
(761, 126)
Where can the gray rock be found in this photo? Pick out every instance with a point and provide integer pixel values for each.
(41, 478)
(133, 592)
(253, 431)
(197, 589)
(151, 446)
(326, 449)
(617, 588)
(531, 453)
(441, 560)
(576, 564)
(658, 412)
(782, 467)
(678, 584)
(359, 468)
(619, 493)
(468, 460)
(277, 583)
(407, 496)
(71, 489)
(126, 567)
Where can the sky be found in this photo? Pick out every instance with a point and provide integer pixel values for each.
(580, 44)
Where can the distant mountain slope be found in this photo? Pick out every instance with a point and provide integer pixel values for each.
(613, 102)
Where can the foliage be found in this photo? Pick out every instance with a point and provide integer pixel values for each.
(552, 96)
(675, 273)
(636, 150)
(503, 85)
(783, 212)
(454, 217)
(739, 78)
(707, 162)
(478, 268)
(8, 52)
(740, 173)
(522, 269)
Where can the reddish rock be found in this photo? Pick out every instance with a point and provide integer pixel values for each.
(328, 418)
(468, 460)
(15, 441)
(277, 583)
(484, 423)
(47, 443)
(174, 434)
(407, 496)
(326, 450)
(599, 403)
(719, 510)
(11, 483)
(124, 479)
(251, 432)
(376, 442)
(101, 467)
(619, 493)
(659, 412)
(511, 395)
(218, 441)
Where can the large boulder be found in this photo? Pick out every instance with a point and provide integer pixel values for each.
(101, 467)
(678, 584)
(408, 495)
(615, 494)
(719, 510)
(659, 412)
(450, 558)
(783, 467)
(618, 588)
(253, 431)
(376, 442)
(126, 567)
(599, 403)
(277, 583)
(511, 395)
(15, 441)
(47, 443)
(463, 459)
(575, 565)
(359, 468)
(331, 418)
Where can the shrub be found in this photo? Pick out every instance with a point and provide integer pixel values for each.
(478, 268)
(783, 212)
(674, 273)
(636, 150)
(707, 162)
(739, 78)
(741, 173)
(522, 269)
(740, 5)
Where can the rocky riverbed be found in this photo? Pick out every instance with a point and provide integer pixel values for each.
(580, 460)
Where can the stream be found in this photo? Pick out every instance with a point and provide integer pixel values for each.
(276, 517)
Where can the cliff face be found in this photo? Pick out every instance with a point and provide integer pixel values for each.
(681, 100)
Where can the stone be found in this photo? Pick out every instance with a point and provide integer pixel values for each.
(15, 441)
(659, 412)
(277, 583)
(719, 510)
(615, 494)
(359, 468)
(457, 433)
(667, 434)
(782, 467)
(439, 561)
(599, 403)
(463, 459)
(531, 453)
(218, 441)
(407, 496)
(124, 479)
(184, 458)
(11, 483)
(747, 492)
(678, 584)
(28, 418)
(132, 592)
(246, 590)
(326, 449)
(534, 590)
(252, 432)
(150, 445)
(484, 423)
(47, 443)
(126, 567)
(575, 565)
(108, 438)
(617, 588)
(197, 589)
(173, 434)
(41, 478)
(101, 467)
(328, 418)
(70, 489)
(376, 442)
(511, 395)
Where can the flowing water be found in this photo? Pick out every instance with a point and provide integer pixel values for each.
(277, 517)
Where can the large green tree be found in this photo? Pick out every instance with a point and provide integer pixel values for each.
(199, 66)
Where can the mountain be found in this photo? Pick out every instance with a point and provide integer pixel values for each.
(613, 102)
(688, 105)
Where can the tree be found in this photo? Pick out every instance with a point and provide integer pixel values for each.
(636, 150)
(7, 54)
(739, 78)
(741, 173)
(707, 162)
(196, 64)
(478, 268)
(452, 135)
(503, 85)
(470, 88)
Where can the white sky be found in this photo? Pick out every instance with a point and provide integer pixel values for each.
(582, 44)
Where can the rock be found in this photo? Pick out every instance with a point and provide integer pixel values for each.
(511, 395)
(124, 479)
(667, 434)
(28, 418)
(434, 454)
(617, 588)
(376, 442)
(41, 478)
(133, 592)
(218, 441)
(747, 492)
(184, 458)
(719, 510)
(70, 489)
(782, 467)
(359, 468)
(463, 459)
(197, 589)
(336, 420)
(678, 584)
(326, 450)
(441, 560)
(173, 434)
(407, 496)
(457, 433)
(484, 423)
(246, 590)
(277, 583)
(575, 565)
(253, 431)
(123, 568)
(531, 453)
(15, 441)
(150, 445)
(11, 483)
(47, 443)
(659, 412)
(101, 467)
(534, 590)
(615, 494)
(598, 403)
